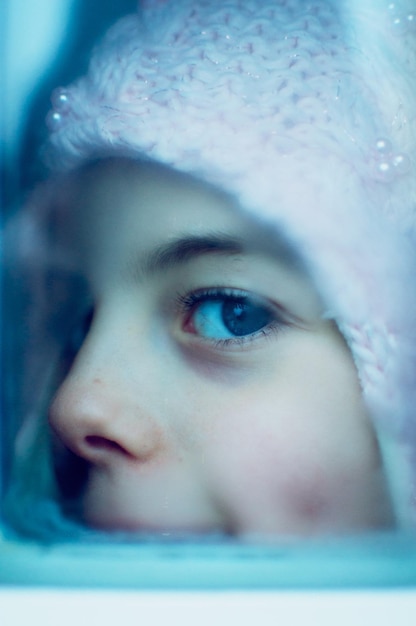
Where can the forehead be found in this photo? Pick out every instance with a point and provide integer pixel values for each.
(130, 202)
(125, 191)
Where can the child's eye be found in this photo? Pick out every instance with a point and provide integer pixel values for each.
(227, 314)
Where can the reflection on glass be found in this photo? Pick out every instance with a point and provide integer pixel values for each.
(221, 339)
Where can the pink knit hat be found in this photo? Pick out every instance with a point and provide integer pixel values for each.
(238, 93)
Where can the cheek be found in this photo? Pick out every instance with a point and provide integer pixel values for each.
(279, 469)
(267, 477)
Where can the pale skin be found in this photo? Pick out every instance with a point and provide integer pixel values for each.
(210, 393)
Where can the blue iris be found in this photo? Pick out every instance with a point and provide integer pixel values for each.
(230, 317)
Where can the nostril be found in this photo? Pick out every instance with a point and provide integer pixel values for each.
(101, 443)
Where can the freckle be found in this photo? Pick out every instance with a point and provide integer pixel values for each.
(97, 381)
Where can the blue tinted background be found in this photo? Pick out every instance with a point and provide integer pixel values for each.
(46, 43)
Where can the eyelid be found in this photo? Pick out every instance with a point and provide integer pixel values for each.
(243, 341)
(196, 296)
(188, 302)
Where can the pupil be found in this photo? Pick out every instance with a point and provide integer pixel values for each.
(242, 318)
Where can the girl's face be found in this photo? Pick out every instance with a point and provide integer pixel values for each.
(209, 393)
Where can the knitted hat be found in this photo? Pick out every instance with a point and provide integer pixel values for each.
(240, 92)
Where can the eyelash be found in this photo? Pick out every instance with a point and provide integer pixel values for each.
(188, 303)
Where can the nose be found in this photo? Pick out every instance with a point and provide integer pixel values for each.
(103, 418)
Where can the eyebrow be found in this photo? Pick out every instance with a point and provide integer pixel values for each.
(183, 249)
